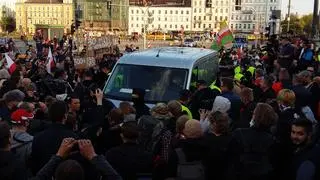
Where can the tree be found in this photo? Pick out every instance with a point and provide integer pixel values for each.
(8, 24)
(299, 25)
(295, 25)
(306, 22)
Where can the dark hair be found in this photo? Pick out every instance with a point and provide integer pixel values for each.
(219, 122)
(130, 131)
(268, 80)
(4, 135)
(69, 170)
(228, 83)
(72, 96)
(305, 123)
(264, 116)
(57, 111)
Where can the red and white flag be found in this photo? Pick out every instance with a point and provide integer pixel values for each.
(11, 66)
(50, 63)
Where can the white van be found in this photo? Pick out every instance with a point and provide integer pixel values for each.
(161, 72)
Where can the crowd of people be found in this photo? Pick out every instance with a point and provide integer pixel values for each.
(258, 122)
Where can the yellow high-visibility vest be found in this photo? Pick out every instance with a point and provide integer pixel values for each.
(251, 69)
(237, 70)
(184, 108)
(238, 76)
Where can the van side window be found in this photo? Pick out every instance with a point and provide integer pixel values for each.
(204, 69)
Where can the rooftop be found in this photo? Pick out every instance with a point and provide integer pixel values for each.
(45, 1)
(176, 57)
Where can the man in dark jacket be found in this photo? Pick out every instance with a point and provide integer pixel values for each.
(46, 143)
(203, 98)
(267, 91)
(227, 92)
(130, 159)
(10, 167)
(139, 104)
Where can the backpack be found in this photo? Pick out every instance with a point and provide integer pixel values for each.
(189, 170)
(146, 124)
(254, 161)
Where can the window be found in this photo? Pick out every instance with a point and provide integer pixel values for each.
(199, 26)
(132, 18)
(195, 10)
(204, 17)
(171, 12)
(237, 17)
(137, 11)
(199, 18)
(187, 12)
(137, 18)
(220, 18)
(170, 25)
(199, 10)
(215, 25)
(200, 3)
(142, 18)
(132, 11)
(159, 12)
(254, 17)
(231, 26)
(165, 12)
(210, 26)
(165, 19)
(137, 25)
(187, 19)
(221, 10)
(240, 26)
(176, 26)
(165, 26)
(216, 10)
(210, 18)
(181, 12)
(195, 3)
(194, 18)
(216, 18)
(204, 25)
(159, 26)
(244, 26)
(227, 10)
(152, 26)
(176, 11)
(187, 26)
(249, 26)
(226, 18)
(236, 26)
(194, 25)
(253, 26)
(231, 17)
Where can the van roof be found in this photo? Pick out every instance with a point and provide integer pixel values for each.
(176, 57)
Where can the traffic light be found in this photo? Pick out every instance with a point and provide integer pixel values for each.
(238, 5)
(73, 28)
(109, 4)
(78, 23)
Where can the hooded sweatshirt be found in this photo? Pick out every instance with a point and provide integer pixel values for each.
(21, 145)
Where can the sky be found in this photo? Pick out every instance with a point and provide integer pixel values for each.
(300, 6)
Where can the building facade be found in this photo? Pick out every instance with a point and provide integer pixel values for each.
(53, 16)
(254, 16)
(195, 16)
(98, 18)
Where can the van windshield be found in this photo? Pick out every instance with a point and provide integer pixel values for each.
(160, 83)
